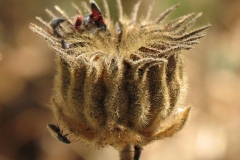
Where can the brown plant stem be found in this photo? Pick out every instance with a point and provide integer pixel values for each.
(137, 152)
(130, 152)
(127, 153)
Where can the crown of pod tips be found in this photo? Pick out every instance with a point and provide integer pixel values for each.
(95, 18)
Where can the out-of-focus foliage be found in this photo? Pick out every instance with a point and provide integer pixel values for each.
(27, 68)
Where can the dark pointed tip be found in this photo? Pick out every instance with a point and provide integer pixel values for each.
(94, 5)
(49, 125)
(56, 21)
(92, 2)
(53, 127)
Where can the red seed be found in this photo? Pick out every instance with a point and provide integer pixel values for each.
(78, 22)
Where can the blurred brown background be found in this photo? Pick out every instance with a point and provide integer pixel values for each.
(27, 69)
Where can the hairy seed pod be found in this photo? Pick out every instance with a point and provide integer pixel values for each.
(120, 86)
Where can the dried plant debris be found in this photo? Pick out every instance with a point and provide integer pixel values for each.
(57, 133)
(122, 83)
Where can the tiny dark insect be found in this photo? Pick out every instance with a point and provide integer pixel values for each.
(57, 133)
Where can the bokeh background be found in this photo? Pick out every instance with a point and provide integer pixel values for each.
(213, 67)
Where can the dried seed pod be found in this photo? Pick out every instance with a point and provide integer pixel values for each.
(126, 86)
